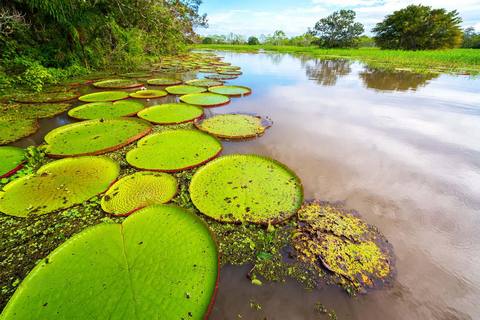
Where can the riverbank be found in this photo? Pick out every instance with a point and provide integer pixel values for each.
(459, 61)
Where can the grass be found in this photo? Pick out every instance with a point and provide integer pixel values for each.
(460, 61)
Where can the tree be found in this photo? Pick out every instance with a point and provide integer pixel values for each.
(278, 38)
(418, 27)
(339, 30)
(253, 41)
(471, 39)
(207, 40)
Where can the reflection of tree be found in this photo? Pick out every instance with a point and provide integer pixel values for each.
(381, 79)
(326, 72)
(276, 58)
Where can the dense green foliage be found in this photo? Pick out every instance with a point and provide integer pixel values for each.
(418, 27)
(471, 39)
(44, 42)
(253, 41)
(339, 30)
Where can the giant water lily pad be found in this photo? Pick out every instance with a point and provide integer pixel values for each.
(221, 77)
(94, 137)
(139, 190)
(148, 94)
(164, 82)
(238, 188)
(47, 97)
(229, 72)
(184, 89)
(234, 91)
(106, 110)
(11, 159)
(234, 126)
(171, 113)
(16, 129)
(117, 84)
(33, 110)
(204, 83)
(174, 150)
(104, 96)
(139, 74)
(58, 185)
(205, 99)
(357, 254)
(160, 263)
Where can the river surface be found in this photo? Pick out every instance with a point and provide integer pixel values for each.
(401, 148)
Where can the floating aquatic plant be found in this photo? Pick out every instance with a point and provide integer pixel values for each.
(117, 84)
(16, 128)
(234, 91)
(171, 113)
(221, 77)
(252, 188)
(47, 97)
(104, 96)
(11, 160)
(164, 82)
(33, 110)
(94, 137)
(204, 83)
(160, 263)
(184, 89)
(148, 94)
(106, 110)
(229, 72)
(58, 185)
(139, 74)
(234, 126)
(174, 150)
(139, 190)
(354, 251)
(205, 99)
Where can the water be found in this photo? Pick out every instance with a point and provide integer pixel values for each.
(402, 149)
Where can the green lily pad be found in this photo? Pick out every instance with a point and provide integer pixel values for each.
(221, 77)
(136, 74)
(104, 96)
(160, 263)
(33, 110)
(137, 191)
(204, 83)
(334, 238)
(148, 94)
(164, 82)
(234, 126)
(16, 129)
(117, 84)
(205, 99)
(235, 91)
(174, 150)
(11, 160)
(106, 110)
(58, 185)
(94, 137)
(239, 188)
(229, 72)
(171, 113)
(47, 97)
(184, 89)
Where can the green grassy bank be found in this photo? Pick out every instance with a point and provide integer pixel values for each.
(464, 61)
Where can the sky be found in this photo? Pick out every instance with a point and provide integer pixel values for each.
(256, 17)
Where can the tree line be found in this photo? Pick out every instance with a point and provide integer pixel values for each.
(415, 27)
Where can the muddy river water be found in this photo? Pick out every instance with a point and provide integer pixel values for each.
(401, 148)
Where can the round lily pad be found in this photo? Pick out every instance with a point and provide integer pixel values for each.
(239, 188)
(204, 83)
(58, 185)
(11, 160)
(184, 89)
(174, 150)
(137, 191)
(148, 94)
(205, 99)
(171, 113)
(230, 72)
(139, 74)
(106, 110)
(235, 91)
(16, 129)
(164, 82)
(47, 97)
(94, 137)
(234, 126)
(33, 110)
(160, 263)
(117, 84)
(104, 96)
(221, 77)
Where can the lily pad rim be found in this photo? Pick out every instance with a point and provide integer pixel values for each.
(266, 123)
(233, 95)
(18, 167)
(92, 93)
(159, 94)
(135, 85)
(172, 123)
(83, 106)
(207, 105)
(179, 82)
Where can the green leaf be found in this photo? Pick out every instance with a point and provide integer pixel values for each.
(106, 110)
(171, 113)
(11, 159)
(104, 96)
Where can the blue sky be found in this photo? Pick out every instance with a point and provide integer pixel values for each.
(256, 17)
